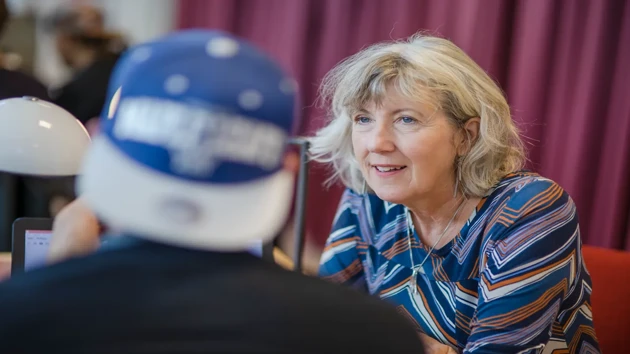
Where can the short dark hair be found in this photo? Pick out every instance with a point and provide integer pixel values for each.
(4, 15)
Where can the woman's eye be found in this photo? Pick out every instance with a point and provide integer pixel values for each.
(408, 120)
(362, 120)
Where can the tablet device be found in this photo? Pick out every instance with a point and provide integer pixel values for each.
(31, 238)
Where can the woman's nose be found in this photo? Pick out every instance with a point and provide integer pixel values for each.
(381, 140)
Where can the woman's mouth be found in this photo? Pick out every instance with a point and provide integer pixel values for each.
(388, 170)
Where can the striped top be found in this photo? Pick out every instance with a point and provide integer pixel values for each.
(512, 281)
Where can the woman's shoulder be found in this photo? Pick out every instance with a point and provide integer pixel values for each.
(522, 186)
(525, 198)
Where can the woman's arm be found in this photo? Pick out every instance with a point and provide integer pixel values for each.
(340, 261)
(532, 272)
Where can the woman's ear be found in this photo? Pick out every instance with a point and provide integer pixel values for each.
(470, 133)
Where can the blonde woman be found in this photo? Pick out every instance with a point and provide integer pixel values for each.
(438, 216)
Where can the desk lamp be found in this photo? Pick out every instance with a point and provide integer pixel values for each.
(38, 138)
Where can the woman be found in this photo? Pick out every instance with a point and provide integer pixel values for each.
(438, 216)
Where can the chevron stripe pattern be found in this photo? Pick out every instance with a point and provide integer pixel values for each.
(512, 281)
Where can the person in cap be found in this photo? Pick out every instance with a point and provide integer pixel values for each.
(191, 167)
(90, 52)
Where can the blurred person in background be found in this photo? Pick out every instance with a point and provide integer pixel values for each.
(91, 52)
(438, 217)
(20, 195)
(192, 169)
(14, 83)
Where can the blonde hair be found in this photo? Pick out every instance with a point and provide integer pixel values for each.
(429, 69)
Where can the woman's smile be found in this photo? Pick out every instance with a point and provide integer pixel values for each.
(387, 170)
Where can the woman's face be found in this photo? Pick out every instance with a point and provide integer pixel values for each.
(406, 149)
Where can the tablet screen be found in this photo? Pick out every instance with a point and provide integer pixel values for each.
(36, 244)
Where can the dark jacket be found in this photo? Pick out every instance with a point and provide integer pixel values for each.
(152, 298)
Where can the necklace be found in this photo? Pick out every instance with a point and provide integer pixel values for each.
(410, 227)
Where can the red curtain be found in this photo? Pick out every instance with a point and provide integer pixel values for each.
(565, 67)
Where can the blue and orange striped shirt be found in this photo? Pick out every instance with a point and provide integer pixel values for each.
(512, 281)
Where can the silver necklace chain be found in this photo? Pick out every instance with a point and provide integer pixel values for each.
(410, 228)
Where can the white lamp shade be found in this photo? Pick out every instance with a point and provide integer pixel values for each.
(40, 138)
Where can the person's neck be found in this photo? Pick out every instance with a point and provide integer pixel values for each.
(431, 215)
(82, 59)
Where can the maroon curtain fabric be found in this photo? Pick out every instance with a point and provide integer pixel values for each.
(565, 66)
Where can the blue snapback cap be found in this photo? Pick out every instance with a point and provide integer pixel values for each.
(192, 143)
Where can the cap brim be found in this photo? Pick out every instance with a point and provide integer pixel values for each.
(152, 205)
